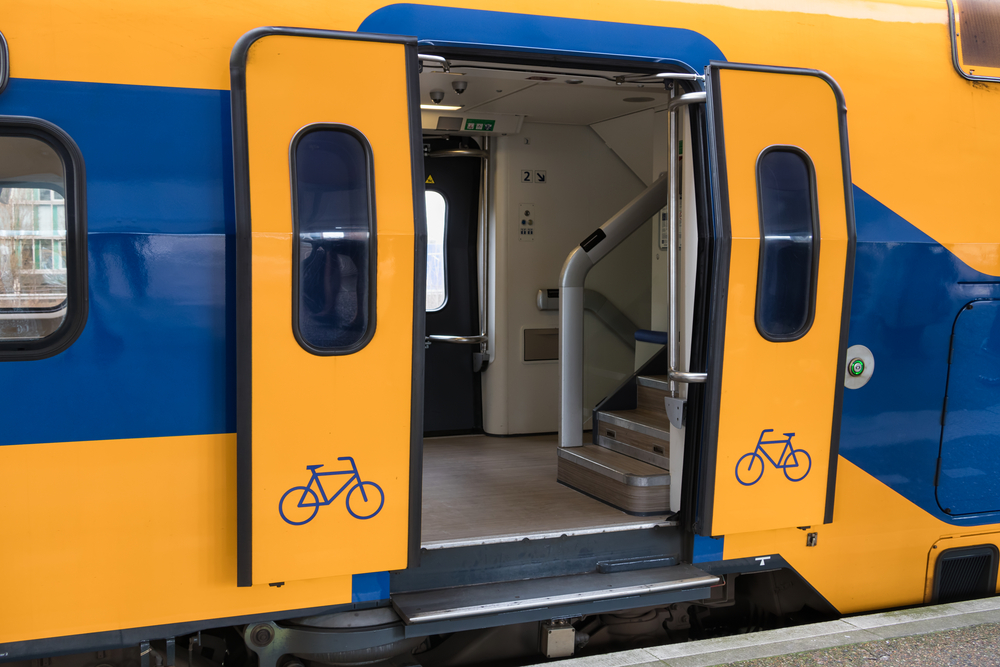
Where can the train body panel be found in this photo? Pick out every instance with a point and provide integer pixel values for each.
(120, 494)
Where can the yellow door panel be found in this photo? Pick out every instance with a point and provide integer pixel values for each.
(326, 300)
(782, 294)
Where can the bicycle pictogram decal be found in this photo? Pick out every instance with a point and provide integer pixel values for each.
(795, 463)
(300, 504)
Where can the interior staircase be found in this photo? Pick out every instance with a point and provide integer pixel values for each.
(628, 464)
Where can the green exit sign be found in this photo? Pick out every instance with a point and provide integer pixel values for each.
(478, 125)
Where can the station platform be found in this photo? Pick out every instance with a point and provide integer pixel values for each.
(959, 633)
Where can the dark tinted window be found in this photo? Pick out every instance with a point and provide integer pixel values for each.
(789, 229)
(334, 249)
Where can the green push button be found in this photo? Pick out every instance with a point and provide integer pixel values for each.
(856, 367)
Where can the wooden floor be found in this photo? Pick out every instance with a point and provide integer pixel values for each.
(480, 489)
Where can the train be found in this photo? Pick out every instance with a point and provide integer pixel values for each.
(449, 333)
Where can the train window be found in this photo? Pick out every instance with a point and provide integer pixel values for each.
(42, 240)
(976, 38)
(437, 216)
(789, 247)
(333, 208)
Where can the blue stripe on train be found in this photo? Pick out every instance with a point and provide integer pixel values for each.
(547, 35)
(908, 289)
(156, 357)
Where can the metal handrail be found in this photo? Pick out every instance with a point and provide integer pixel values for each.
(459, 152)
(466, 340)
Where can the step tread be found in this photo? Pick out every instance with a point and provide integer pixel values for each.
(658, 382)
(509, 596)
(619, 467)
(652, 458)
(657, 421)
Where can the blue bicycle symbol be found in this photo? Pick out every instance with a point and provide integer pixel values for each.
(792, 461)
(300, 504)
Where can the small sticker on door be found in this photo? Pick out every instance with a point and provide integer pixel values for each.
(430, 179)
(539, 176)
(527, 175)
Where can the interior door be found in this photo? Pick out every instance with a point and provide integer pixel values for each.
(453, 397)
(781, 287)
(330, 300)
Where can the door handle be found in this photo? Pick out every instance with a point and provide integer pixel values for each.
(466, 340)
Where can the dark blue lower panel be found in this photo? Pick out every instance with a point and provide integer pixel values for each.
(156, 356)
(969, 481)
(370, 587)
(908, 289)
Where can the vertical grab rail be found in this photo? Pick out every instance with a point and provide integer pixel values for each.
(674, 138)
(574, 273)
(583, 258)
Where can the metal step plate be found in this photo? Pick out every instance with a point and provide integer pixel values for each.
(658, 382)
(618, 467)
(634, 452)
(655, 426)
(512, 596)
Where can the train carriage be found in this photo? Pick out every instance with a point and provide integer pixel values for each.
(442, 334)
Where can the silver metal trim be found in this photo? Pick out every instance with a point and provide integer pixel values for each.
(546, 535)
(680, 76)
(653, 382)
(460, 602)
(465, 340)
(443, 62)
(638, 427)
(658, 460)
(573, 456)
(690, 378)
(687, 98)
(459, 152)
(673, 373)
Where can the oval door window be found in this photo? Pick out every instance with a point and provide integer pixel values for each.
(789, 243)
(334, 249)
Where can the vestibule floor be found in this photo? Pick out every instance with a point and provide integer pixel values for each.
(480, 489)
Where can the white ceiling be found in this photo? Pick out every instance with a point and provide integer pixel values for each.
(501, 91)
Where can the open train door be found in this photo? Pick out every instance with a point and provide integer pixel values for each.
(330, 262)
(781, 288)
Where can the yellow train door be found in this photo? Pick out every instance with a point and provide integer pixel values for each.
(781, 290)
(330, 261)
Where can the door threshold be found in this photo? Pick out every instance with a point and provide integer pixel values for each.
(544, 535)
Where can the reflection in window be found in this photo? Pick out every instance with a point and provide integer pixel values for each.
(437, 286)
(789, 229)
(32, 239)
(334, 230)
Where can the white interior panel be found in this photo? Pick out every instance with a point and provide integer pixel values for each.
(586, 183)
(631, 138)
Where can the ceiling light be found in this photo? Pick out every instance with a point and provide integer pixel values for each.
(441, 107)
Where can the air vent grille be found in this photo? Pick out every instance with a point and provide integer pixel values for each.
(965, 574)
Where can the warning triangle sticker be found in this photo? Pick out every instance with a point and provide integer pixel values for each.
(430, 179)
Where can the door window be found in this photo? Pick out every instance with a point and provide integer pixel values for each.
(437, 283)
(789, 233)
(333, 219)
